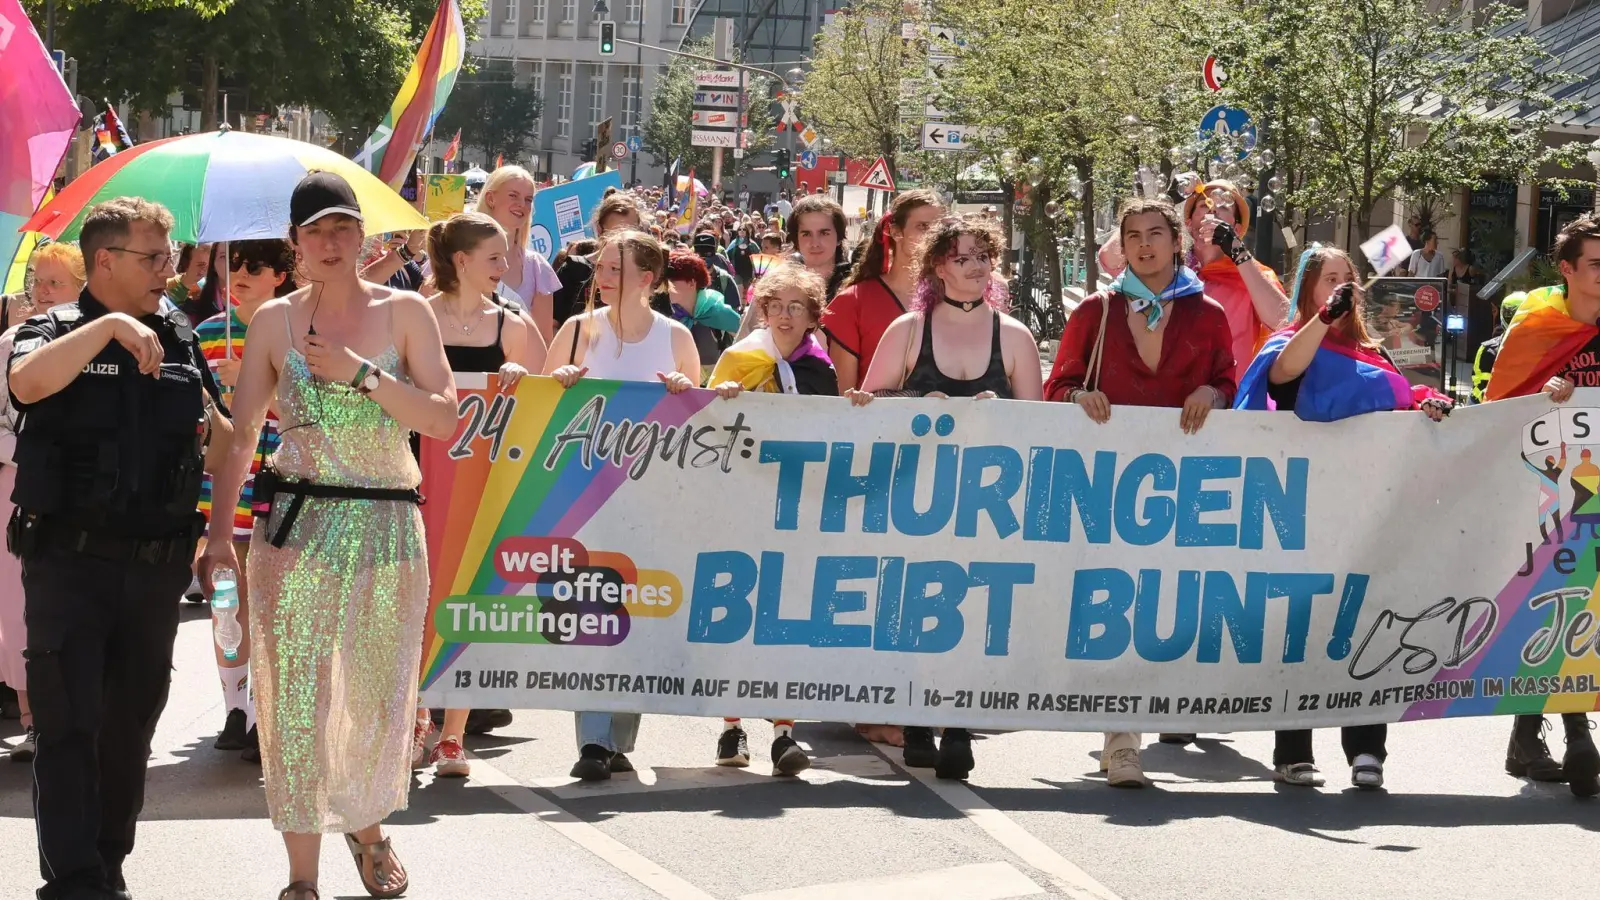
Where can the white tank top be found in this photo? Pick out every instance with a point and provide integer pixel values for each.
(638, 361)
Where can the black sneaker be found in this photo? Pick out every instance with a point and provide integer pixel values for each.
(955, 755)
(733, 749)
(594, 763)
(251, 752)
(483, 721)
(1581, 762)
(1527, 755)
(1180, 739)
(787, 757)
(920, 753)
(232, 736)
(620, 764)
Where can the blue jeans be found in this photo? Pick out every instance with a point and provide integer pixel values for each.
(614, 731)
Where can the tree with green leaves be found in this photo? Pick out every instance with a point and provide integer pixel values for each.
(344, 57)
(861, 68)
(491, 109)
(1071, 98)
(1367, 101)
(667, 130)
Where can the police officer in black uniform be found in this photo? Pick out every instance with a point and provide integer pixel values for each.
(117, 406)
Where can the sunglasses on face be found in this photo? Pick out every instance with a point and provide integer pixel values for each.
(250, 266)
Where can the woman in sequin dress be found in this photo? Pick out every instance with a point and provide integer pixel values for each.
(339, 583)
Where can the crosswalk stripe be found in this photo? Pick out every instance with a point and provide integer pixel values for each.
(982, 881)
(616, 854)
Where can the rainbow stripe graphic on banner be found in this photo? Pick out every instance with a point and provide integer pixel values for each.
(473, 506)
(1573, 604)
(422, 97)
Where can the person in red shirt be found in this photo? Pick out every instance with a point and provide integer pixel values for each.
(1161, 342)
(1249, 292)
(877, 291)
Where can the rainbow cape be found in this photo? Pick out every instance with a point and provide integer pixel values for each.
(388, 152)
(1344, 379)
(1541, 340)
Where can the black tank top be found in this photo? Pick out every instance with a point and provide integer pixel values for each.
(479, 359)
(926, 378)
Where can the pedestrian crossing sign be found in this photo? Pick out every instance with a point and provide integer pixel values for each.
(878, 177)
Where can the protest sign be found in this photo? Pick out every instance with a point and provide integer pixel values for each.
(1008, 565)
(447, 196)
(565, 212)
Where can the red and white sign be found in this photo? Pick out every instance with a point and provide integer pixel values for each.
(715, 118)
(1213, 74)
(718, 79)
(1427, 298)
(878, 178)
(619, 150)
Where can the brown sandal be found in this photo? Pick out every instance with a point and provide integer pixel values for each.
(375, 863)
(300, 890)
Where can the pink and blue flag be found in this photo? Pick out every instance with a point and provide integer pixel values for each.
(37, 119)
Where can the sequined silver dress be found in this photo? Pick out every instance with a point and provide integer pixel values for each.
(336, 614)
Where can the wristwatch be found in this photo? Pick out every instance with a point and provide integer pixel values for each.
(367, 379)
(405, 253)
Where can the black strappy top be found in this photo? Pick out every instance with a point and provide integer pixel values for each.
(488, 358)
(926, 378)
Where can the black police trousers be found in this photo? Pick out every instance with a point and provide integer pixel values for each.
(99, 664)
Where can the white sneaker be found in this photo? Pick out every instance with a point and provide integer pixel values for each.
(1123, 769)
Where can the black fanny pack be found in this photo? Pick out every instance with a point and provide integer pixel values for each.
(269, 484)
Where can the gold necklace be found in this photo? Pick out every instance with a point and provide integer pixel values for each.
(460, 324)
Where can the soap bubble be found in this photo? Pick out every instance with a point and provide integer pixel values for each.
(1268, 203)
(1313, 128)
(1268, 157)
(1052, 209)
(1178, 155)
(1275, 184)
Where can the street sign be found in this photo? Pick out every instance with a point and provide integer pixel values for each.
(945, 34)
(729, 80)
(809, 137)
(619, 150)
(717, 99)
(715, 118)
(1213, 74)
(698, 138)
(1225, 121)
(836, 177)
(878, 177)
(635, 143)
(808, 159)
(945, 136)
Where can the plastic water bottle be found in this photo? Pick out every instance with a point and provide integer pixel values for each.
(225, 613)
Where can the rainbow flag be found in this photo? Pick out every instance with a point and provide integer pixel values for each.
(39, 117)
(1542, 339)
(388, 152)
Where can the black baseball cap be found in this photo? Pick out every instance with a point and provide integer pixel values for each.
(705, 243)
(322, 194)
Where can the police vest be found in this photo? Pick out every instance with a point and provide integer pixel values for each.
(117, 450)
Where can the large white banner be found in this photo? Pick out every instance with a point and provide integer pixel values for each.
(1009, 565)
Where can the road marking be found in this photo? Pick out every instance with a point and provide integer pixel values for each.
(984, 881)
(1077, 883)
(613, 852)
(864, 768)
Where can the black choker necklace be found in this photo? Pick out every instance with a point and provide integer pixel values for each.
(965, 305)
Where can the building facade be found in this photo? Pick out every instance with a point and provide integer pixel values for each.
(554, 45)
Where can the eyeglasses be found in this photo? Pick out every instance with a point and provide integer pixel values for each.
(250, 266)
(792, 310)
(982, 259)
(154, 261)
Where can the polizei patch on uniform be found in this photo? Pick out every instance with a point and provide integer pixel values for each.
(101, 369)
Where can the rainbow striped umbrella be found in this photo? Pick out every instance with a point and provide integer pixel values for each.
(220, 186)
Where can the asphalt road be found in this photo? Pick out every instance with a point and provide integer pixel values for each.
(1036, 820)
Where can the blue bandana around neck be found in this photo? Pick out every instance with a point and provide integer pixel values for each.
(1142, 299)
